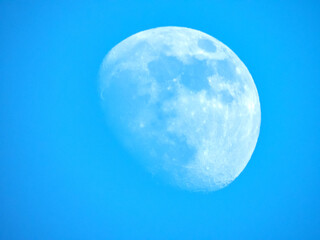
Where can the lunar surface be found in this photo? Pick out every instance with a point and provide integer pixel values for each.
(183, 104)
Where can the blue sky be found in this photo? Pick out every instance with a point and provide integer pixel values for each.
(64, 176)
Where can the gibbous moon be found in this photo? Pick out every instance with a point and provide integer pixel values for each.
(183, 104)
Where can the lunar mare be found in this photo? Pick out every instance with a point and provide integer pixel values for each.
(184, 104)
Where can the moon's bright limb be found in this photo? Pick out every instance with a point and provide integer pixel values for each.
(184, 103)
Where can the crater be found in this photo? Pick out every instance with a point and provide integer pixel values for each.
(165, 68)
(225, 97)
(226, 69)
(195, 75)
(207, 45)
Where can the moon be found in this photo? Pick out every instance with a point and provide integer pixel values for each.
(183, 104)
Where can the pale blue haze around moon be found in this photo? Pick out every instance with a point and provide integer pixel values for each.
(184, 104)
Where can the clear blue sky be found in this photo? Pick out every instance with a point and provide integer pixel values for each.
(63, 175)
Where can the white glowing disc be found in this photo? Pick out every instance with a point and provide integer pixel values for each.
(184, 104)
